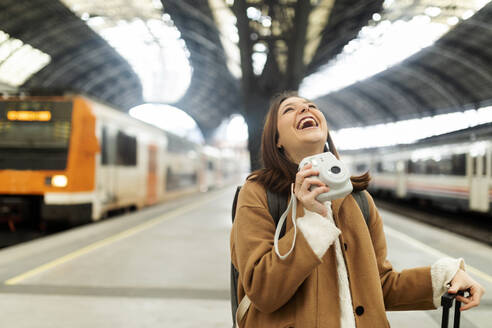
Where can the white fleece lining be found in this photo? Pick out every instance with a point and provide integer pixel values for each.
(347, 319)
(320, 233)
(442, 272)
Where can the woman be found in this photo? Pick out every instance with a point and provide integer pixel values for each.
(337, 274)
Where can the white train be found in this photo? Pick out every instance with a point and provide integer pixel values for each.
(451, 170)
(75, 159)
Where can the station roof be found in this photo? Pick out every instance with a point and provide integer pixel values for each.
(453, 74)
(78, 59)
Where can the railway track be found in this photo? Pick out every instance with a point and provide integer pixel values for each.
(477, 226)
(9, 238)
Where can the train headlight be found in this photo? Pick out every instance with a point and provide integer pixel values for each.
(59, 181)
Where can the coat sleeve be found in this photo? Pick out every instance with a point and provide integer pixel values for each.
(268, 281)
(410, 289)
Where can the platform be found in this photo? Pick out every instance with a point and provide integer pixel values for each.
(168, 266)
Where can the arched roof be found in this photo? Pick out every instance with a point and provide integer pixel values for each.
(453, 74)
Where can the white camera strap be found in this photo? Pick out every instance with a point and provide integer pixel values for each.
(293, 204)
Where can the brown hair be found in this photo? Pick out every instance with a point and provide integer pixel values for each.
(279, 172)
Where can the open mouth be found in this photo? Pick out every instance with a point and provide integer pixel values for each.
(307, 122)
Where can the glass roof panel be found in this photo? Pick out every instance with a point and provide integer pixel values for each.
(399, 31)
(19, 61)
(146, 38)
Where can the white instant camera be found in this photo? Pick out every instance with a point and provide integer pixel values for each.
(333, 173)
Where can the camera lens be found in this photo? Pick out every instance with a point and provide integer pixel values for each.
(335, 169)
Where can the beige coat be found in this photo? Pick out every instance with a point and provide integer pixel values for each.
(302, 290)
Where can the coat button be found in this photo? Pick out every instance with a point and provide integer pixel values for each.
(345, 246)
(359, 310)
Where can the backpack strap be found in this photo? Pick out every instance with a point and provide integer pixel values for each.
(234, 272)
(277, 204)
(234, 203)
(361, 199)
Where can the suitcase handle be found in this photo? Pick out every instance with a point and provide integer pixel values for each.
(446, 303)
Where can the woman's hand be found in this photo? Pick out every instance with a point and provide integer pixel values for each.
(462, 281)
(304, 180)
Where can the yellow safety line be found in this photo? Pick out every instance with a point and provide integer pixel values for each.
(417, 244)
(107, 241)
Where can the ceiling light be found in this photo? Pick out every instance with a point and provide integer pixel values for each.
(387, 3)
(253, 13)
(259, 47)
(453, 20)
(266, 21)
(432, 11)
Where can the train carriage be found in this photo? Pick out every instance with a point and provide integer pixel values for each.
(75, 159)
(453, 170)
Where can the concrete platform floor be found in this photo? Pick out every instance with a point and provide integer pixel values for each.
(168, 266)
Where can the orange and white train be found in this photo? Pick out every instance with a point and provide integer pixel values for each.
(75, 159)
(452, 170)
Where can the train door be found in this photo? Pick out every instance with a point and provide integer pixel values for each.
(151, 196)
(479, 182)
(401, 179)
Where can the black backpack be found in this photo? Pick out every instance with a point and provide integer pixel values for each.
(277, 204)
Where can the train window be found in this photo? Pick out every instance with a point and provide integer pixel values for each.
(474, 165)
(33, 143)
(379, 167)
(126, 149)
(437, 166)
(419, 167)
(108, 147)
(210, 165)
(389, 166)
(104, 147)
(428, 166)
(361, 167)
(411, 167)
(179, 145)
(445, 166)
(176, 180)
(458, 164)
(484, 165)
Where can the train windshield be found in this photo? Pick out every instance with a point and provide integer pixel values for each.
(34, 135)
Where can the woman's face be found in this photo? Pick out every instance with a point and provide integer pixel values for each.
(302, 128)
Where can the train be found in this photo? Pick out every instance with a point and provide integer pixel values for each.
(451, 171)
(74, 159)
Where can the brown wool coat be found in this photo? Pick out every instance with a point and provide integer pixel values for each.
(302, 291)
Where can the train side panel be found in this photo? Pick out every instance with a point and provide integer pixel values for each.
(456, 176)
(126, 178)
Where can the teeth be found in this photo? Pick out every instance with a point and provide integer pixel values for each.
(305, 120)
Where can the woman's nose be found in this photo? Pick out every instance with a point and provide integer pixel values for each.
(304, 109)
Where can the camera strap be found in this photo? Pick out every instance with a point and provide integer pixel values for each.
(293, 205)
